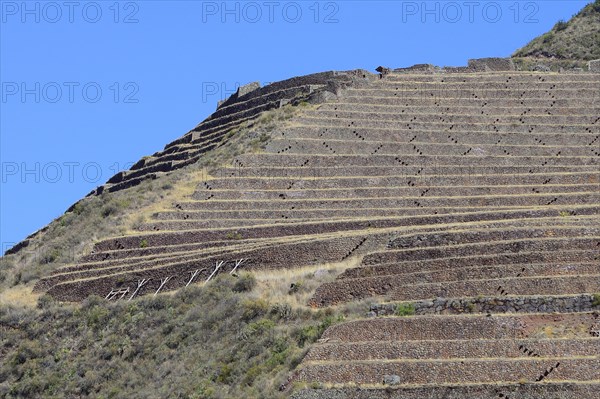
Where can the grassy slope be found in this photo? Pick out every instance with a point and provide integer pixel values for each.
(227, 339)
(577, 39)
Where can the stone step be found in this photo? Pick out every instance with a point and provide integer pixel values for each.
(524, 126)
(585, 195)
(210, 224)
(500, 261)
(306, 172)
(496, 390)
(440, 181)
(468, 99)
(449, 349)
(330, 146)
(435, 372)
(432, 230)
(349, 203)
(460, 327)
(477, 248)
(498, 304)
(590, 92)
(501, 86)
(344, 213)
(531, 137)
(409, 161)
(511, 76)
(470, 283)
(444, 106)
(478, 117)
(544, 285)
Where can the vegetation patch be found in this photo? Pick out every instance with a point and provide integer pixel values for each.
(405, 309)
(576, 39)
(221, 340)
(596, 300)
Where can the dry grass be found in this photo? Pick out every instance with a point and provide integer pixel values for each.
(20, 295)
(275, 285)
(181, 191)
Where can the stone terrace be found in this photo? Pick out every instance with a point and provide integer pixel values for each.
(471, 195)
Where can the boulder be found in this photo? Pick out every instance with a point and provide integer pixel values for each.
(391, 380)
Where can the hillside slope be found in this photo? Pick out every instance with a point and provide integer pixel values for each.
(437, 201)
(576, 39)
(423, 232)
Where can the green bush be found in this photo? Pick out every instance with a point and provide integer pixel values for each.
(312, 333)
(596, 300)
(245, 283)
(108, 210)
(51, 256)
(405, 309)
(233, 236)
(46, 302)
(253, 308)
(547, 37)
(560, 25)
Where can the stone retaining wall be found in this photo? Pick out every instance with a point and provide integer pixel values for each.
(556, 259)
(531, 304)
(566, 390)
(451, 327)
(453, 372)
(460, 349)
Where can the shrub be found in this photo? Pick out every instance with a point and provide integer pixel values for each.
(143, 243)
(282, 311)
(225, 374)
(50, 256)
(547, 37)
(310, 334)
(108, 210)
(405, 309)
(596, 300)
(234, 236)
(46, 302)
(252, 373)
(254, 308)
(78, 208)
(295, 287)
(561, 25)
(245, 283)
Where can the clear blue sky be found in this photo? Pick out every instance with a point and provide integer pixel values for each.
(90, 87)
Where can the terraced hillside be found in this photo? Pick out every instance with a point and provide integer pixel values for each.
(429, 165)
(469, 199)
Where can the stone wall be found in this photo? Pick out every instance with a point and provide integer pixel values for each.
(541, 304)
(521, 391)
(492, 64)
(452, 371)
(77, 285)
(474, 65)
